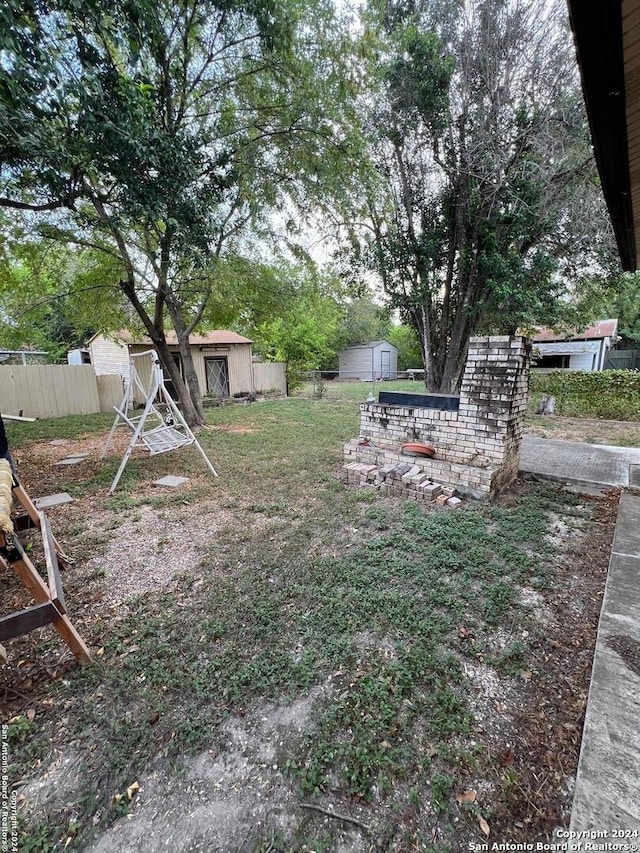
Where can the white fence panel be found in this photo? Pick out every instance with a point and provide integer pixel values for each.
(110, 391)
(269, 376)
(49, 390)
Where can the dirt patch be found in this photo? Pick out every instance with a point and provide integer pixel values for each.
(535, 777)
(147, 551)
(591, 430)
(229, 799)
(236, 429)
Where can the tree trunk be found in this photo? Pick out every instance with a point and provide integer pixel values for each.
(188, 367)
(189, 411)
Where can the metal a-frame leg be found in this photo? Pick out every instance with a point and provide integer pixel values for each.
(123, 408)
(176, 411)
(134, 438)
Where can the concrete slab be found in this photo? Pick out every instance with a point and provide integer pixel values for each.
(627, 536)
(72, 460)
(58, 442)
(171, 481)
(49, 501)
(577, 462)
(634, 475)
(607, 792)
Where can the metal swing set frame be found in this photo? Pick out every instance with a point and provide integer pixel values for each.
(151, 430)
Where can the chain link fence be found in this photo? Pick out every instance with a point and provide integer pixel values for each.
(329, 385)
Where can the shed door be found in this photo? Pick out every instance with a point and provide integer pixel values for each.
(168, 383)
(217, 376)
(385, 363)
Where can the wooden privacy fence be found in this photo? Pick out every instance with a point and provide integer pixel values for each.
(622, 359)
(269, 376)
(57, 390)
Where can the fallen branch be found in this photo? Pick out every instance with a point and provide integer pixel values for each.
(337, 816)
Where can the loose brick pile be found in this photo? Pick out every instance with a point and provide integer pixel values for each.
(477, 447)
(402, 479)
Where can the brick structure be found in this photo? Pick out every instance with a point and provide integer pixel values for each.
(477, 447)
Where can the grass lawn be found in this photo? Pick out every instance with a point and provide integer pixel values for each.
(590, 430)
(340, 670)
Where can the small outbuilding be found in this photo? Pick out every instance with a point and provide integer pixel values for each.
(222, 359)
(582, 351)
(369, 362)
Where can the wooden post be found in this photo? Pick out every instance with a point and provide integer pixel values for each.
(41, 593)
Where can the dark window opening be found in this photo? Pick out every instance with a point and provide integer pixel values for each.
(167, 379)
(553, 362)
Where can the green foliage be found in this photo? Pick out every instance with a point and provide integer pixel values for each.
(167, 134)
(54, 298)
(405, 339)
(613, 295)
(306, 332)
(363, 320)
(612, 394)
(469, 215)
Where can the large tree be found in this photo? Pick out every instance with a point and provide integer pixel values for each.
(480, 145)
(163, 133)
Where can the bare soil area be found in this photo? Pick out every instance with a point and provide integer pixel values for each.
(242, 758)
(590, 430)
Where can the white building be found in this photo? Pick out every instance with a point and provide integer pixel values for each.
(222, 359)
(369, 362)
(583, 351)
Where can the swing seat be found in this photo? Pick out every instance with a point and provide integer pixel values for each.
(164, 439)
(161, 438)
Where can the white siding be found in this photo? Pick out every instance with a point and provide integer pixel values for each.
(239, 359)
(364, 362)
(391, 372)
(356, 363)
(584, 361)
(108, 356)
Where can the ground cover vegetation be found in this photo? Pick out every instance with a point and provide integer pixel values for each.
(429, 649)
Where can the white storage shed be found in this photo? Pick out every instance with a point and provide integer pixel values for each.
(369, 362)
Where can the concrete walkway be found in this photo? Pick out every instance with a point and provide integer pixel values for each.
(583, 464)
(607, 791)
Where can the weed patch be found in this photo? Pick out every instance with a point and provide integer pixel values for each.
(376, 608)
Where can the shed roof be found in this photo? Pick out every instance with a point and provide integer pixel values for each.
(216, 337)
(601, 329)
(369, 345)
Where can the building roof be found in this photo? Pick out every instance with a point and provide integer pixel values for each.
(607, 39)
(216, 337)
(369, 345)
(566, 347)
(601, 329)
